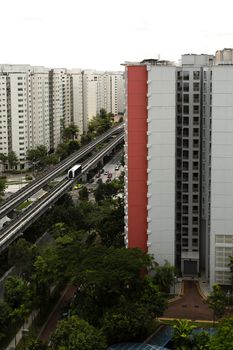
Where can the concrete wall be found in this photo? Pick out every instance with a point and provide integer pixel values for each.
(222, 158)
(161, 163)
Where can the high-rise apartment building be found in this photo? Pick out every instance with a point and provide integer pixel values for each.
(179, 156)
(24, 112)
(34, 101)
(102, 90)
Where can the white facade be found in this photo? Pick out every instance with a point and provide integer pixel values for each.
(221, 173)
(33, 100)
(57, 86)
(40, 108)
(90, 96)
(77, 98)
(161, 162)
(4, 121)
(102, 90)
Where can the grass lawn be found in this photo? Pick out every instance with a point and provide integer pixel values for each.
(23, 205)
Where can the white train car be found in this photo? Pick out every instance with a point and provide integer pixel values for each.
(74, 171)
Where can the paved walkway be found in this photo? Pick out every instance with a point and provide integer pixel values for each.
(55, 315)
(190, 306)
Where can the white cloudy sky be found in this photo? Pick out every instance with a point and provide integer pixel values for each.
(101, 34)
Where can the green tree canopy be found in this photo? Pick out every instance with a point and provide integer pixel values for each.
(223, 339)
(37, 154)
(164, 276)
(69, 132)
(36, 345)
(2, 188)
(22, 254)
(100, 123)
(18, 295)
(217, 301)
(12, 159)
(105, 274)
(76, 334)
(5, 316)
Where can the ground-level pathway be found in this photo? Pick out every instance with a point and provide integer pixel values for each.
(190, 306)
(55, 315)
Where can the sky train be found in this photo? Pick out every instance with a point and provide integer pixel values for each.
(74, 171)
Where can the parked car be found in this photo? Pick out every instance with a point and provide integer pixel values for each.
(99, 181)
(98, 174)
(116, 167)
(106, 172)
(109, 175)
(78, 187)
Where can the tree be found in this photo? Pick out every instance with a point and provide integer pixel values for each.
(83, 194)
(231, 269)
(5, 317)
(52, 159)
(2, 188)
(43, 277)
(76, 334)
(19, 296)
(200, 341)
(105, 191)
(223, 339)
(126, 321)
(36, 345)
(21, 254)
(3, 158)
(110, 223)
(105, 274)
(217, 301)
(12, 159)
(100, 123)
(182, 334)
(72, 146)
(164, 276)
(70, 132)
(39, 154)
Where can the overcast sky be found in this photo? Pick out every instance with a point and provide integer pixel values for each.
(102, 34)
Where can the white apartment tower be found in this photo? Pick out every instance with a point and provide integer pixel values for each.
(77, 98)
(102, 90)
(24, 113)
(179, 162)
(34, 100)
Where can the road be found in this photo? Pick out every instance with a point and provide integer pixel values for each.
(190, 306)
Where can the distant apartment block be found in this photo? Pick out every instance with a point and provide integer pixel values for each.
(102, 90)
(34, 100)
(179, 162)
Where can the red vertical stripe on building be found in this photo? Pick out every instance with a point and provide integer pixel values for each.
(137, 156)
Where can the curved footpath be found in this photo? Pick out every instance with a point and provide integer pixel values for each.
(190, 306)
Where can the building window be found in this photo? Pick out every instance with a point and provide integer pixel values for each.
(186, 87)
(185, 75)
(196, 98)
(196, 110)
(196, 75)
(186, 109)
(196, 86)
(186, 98)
